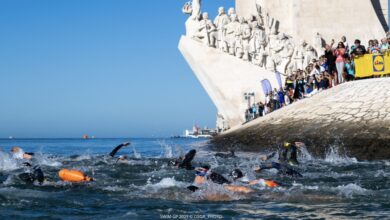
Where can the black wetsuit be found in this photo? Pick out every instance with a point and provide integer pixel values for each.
(289, 155)
(186, 162)
(116, 149)
(35, 175)
(215, 178)
(283, 169)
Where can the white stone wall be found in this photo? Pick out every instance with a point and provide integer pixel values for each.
(332, 18)
(362, 101)
(226, 78)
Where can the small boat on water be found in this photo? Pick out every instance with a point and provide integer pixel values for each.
(197, 132)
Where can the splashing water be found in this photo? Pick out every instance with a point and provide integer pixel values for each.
(304, 154)
(136, 154)
(350, 190)
(7, 162)
(148, 187)
(335, 157)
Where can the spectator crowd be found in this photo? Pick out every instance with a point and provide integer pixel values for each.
(335, 66)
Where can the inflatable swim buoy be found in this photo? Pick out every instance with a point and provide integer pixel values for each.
(263, 182)
(238, 189)
(271, 183)
(73, 176)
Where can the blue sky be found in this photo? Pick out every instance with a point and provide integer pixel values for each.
(109, 68)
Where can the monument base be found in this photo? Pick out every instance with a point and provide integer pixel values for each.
(354, 116)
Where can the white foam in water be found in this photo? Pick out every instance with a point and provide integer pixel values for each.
(167, 182)
(136, 154)
(381, 173)
(44, 160)
(7, 162)
(167, 149)
(305, 155)
(82, 157)
(333, 156)
(350, 190)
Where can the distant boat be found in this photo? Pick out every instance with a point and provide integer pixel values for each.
(11, 137)
(85, 136)
(197, 132)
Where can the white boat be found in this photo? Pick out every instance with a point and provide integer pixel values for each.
(197, 132)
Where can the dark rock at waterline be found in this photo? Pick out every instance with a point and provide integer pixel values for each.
(363, 141)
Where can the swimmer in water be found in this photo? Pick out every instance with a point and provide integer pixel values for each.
(237, 175)
(223, 155)
(122, 158)
(186, 162)
(289, 153)
(18, 153)
(35, 174)
(203, 174)
(283, 169)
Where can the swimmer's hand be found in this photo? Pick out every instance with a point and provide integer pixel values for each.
(257, 169)
(263, 157)
(126, 144)
(27, 164)
(299, 144)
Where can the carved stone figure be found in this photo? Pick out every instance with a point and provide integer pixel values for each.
(239, 48)
(286, 53)
(310, 54)
(246, 32)
(196, 7)
(298, 56)
(318, 43)
(275, 47)
(270, 63)
(192, 24)
(220, 22)
(231, 29)
(207, 31)
(231, 12)
(252, 22)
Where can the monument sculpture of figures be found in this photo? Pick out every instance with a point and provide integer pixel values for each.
(318, 43)
(286, 53)
(298, 56)
(207, 30)
(220, 22)
(258, 43)
(310, 54)
(231, 12)
(239, 48)
(251, 39)
(192, 24)
(246, 37)
(231, 29)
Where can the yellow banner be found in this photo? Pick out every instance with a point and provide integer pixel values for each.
(372, 65)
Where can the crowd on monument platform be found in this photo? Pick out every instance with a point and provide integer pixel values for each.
(309, 68)
(335, 66)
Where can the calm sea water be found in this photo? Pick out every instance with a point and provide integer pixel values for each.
(335, 187)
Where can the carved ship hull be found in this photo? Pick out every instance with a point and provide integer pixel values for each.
(227, 78)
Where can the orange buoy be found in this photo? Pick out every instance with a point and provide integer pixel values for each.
(271, 183)
(263, 182)
(73, 176)
(238, 189)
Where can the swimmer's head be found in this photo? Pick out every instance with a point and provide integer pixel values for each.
(16, 149)
(122, 157)
(286, 144)
(202, 171)
(236, 174)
